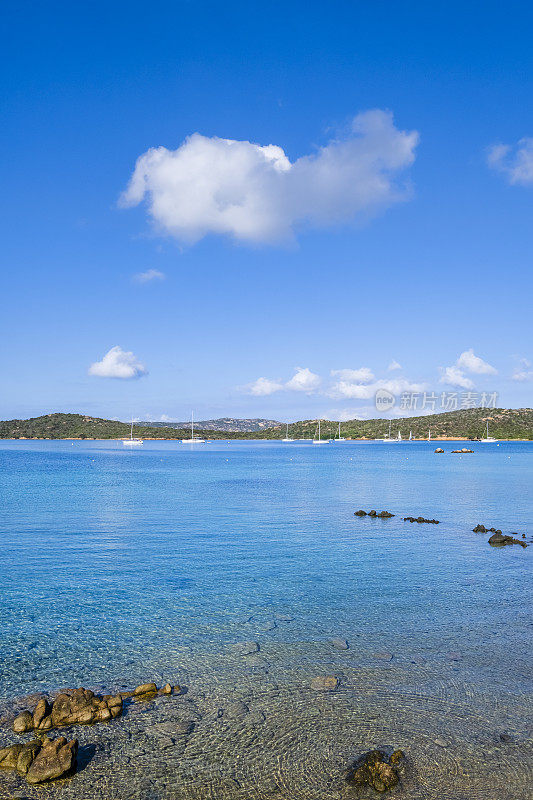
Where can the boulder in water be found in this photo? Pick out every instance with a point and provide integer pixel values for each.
(376, 770)
(56, 758)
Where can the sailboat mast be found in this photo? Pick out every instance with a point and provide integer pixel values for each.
(131, 431)
(339, 430)
(192, 425)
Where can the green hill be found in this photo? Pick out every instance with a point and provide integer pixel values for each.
(504, 423)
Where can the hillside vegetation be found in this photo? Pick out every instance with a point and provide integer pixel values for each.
(504, 423)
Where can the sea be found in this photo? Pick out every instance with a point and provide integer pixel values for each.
(232, 569)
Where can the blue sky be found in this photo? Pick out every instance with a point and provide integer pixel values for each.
(403, 237)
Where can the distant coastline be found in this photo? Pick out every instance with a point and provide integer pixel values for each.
(460, 425)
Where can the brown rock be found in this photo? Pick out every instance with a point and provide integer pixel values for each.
(9, 756)
(166, 689)
(145, 688)
(375, 770)
(23, 723)
(324, 683)
(42, 710)
(27, 755)
(56, 758)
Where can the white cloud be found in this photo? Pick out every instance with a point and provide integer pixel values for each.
(361, 375)
(256, 195)
(264, 386)
(118, 363)
(359, 391)
(304, 381)
(394, 365)
(514, 161)
(472, 363)
(149, 275)
(456, 377)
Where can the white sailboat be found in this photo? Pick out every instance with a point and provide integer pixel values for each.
(192, 440)
(429, 435)
(388, 439)
(287, 437)
(133, 441)
(319, 440)
(410, 435)
(340, 438)
(487, 437)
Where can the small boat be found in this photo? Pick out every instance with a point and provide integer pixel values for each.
(287, 437)
(388, 439)
(193, 440)
(133, 441)
(319, 440)
(340, 438)
(487, 437)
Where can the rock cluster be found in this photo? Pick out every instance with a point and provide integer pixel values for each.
(421, 519)
(80, 707)
(463, 450)
(382, 514)
(376, 770)
(41, 760)
(498, 539)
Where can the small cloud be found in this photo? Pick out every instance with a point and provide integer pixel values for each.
(472, 363)
(513, 161)
(263, 387)
(456, 377)
(304, 381)
(523, 373)
(361, 375)
(149, 275)
(394, 365)
(255, 194)
(118, 363)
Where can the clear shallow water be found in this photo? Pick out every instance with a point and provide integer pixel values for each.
(120, 567)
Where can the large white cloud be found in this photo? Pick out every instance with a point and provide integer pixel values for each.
(118, 363)
(365, 391)
(454, 376)
(304, 380)
(467, 362)
(472, 363)
(264, 386)
(254, 194)
(515, 162)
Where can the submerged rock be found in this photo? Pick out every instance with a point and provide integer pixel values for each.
(339, 643)
(324, 683)
(463, 450)
(374, 769)
(385, 514)
(245, 648)
(421, 520)
(480, 529)
(360, 513)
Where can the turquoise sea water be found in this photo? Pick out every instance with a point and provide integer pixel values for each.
(119, 567)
